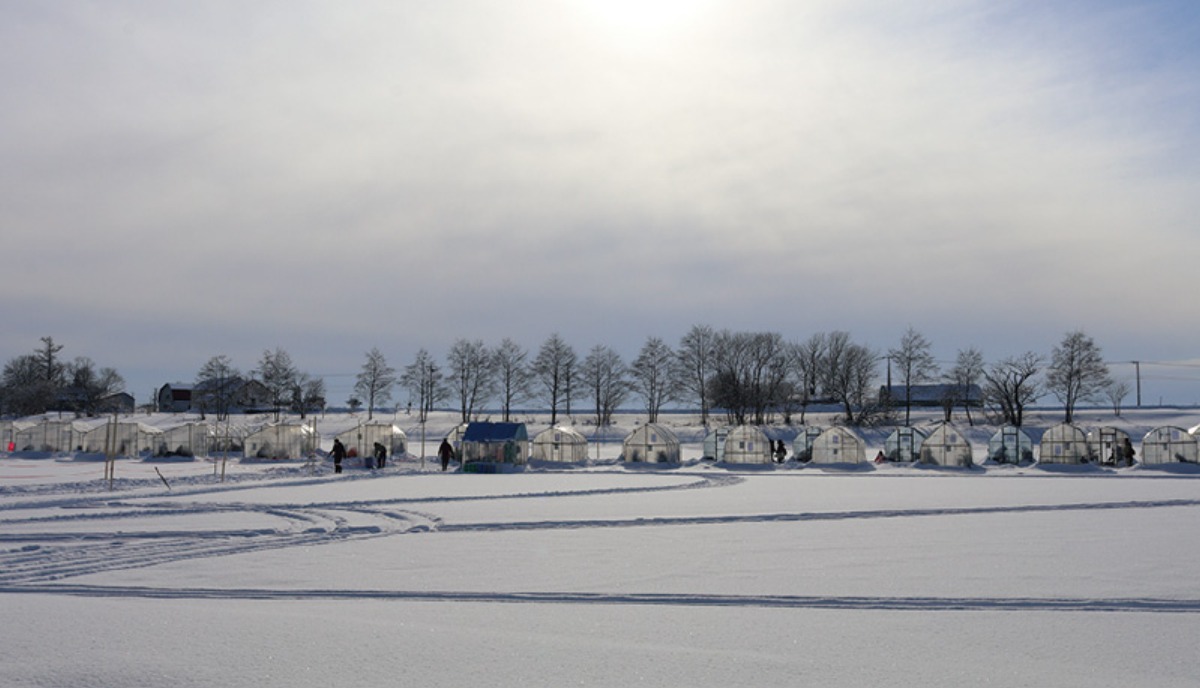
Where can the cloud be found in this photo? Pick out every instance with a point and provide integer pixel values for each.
(421, 172)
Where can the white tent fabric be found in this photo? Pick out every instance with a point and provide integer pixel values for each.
(904, 444)
(652, 443)
(946, 446)
(8, 438)
(1168, 445)
(1063, 443)
(714, 442)
(281, 441)
(186, 439)
(49, 436)
(559, 443)
(127, 438)
(1105, 445)
(1010, 444)
(838, 445)
(802, 445)
(747, 444)
(362, 438)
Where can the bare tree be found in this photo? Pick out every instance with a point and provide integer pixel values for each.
(24, 386)
(606, 378)
(423, 380)
(471, 372)
(913, 364)
(1116, 393)
(279, 376)
(750, 375)
(961, 379)
(553, 371)
(695, 360)
(216, 383)
(87, 387)
(375, 381)
(310, 393)
(848, 373)
(807, 357)
(727, 385)
(53, 370)
(1012, 384)
(652, 376)
(513, 377)
(1077, 372)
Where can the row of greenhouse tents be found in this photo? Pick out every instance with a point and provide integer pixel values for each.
(944, 445)
(486, 443)
(136, 439)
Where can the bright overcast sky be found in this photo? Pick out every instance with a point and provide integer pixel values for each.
(185, 179)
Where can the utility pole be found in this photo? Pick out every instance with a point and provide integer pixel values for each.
(1137, 367)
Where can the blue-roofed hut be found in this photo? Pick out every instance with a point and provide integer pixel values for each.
(495, 443)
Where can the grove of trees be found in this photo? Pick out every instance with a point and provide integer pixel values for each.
(747, 377)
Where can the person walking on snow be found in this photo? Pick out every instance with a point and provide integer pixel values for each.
(1127, 450)
(338, 453)
(380, 455)
(444, 453)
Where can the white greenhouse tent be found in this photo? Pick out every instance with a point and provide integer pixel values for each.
(1010, 444)
(281, 441)
(8, 436)
(1167, 445)
(360, 440)
(1105, 445)
(185, 439)
(838, 445)
(747, 444)
(714, 442)
(946, 446)
(48, 436)
(559, 443)
(651, 443)
(1063, 443)
(126, 438)
(904, 444)
(802, 445)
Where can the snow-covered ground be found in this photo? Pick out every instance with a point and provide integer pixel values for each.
(601, 575)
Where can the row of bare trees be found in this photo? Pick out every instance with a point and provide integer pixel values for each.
(753, 377)
(750, 377)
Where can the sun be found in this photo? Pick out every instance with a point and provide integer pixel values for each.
(644, 17)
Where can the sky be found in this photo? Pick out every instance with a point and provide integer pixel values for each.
(182, 180)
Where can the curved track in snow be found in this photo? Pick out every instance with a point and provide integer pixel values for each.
(86, 536)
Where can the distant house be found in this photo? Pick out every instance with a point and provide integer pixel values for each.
(82, 401)
(242, 395)
(175, 397)
(931, 395)
(121, 402)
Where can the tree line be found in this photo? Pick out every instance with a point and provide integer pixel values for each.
(743, 377)
(42, 380)
(755, 378)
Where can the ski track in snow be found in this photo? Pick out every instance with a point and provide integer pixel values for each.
(35, 558)
(37, 562)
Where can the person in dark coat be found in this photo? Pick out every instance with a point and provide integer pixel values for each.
(380, 455)
(338, 453)
(445, 452)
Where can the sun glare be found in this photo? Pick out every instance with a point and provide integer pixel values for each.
(645, 17)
